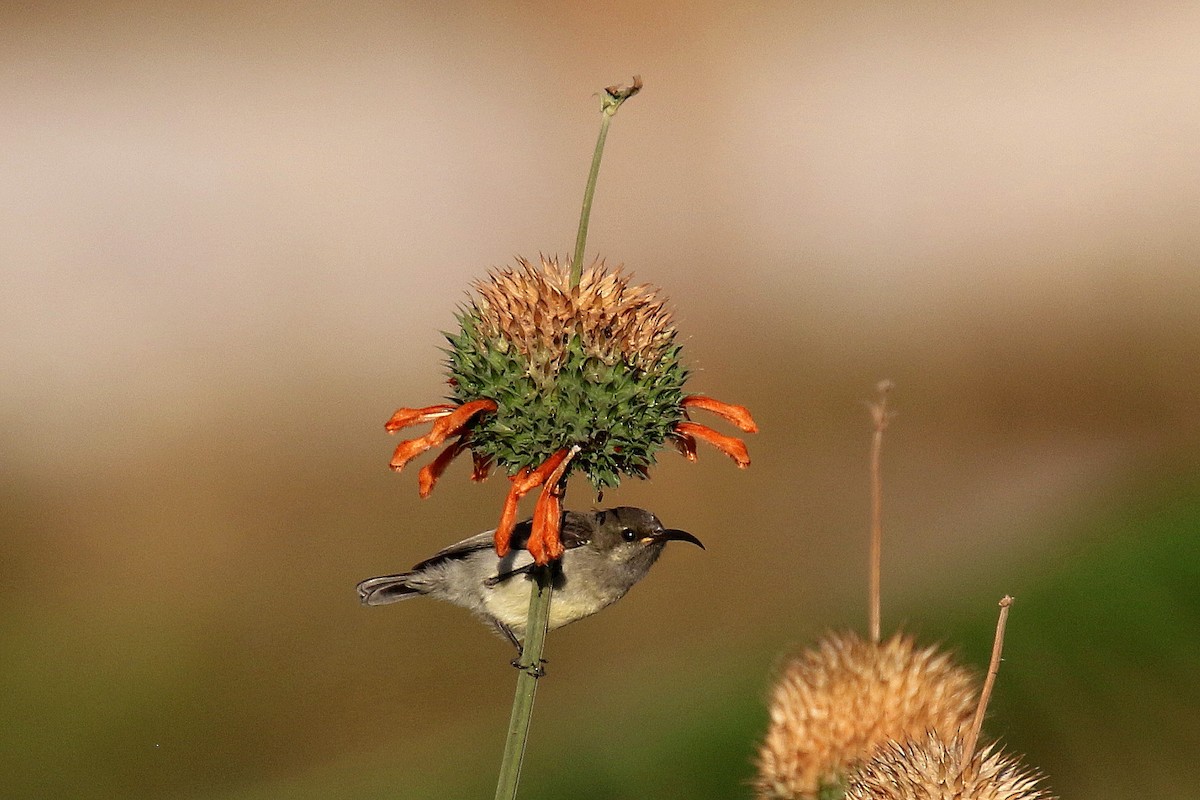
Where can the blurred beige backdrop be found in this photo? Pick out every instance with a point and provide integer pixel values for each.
(230, 234)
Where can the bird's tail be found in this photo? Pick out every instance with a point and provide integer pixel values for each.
(387, 589)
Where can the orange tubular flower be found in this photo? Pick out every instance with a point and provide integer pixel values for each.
(429, 474)
(738, 415)
(525, 481)
(447, 423)
(508, 515)
(415, 416)
(734, 448)
(544, 543)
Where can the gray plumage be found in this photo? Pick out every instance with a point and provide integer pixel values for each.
(606, 553)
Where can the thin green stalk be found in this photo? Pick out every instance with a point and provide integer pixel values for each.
(613, 97)
(530, 666)
(530, 662)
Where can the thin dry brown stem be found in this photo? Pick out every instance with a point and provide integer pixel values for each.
(993, 669)
(880, 416)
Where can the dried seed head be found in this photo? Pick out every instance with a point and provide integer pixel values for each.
(534, 309)
(835, 703)
(929, 769)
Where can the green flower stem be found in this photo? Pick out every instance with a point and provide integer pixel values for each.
(613, 97)
(530, 662)
(530, 666)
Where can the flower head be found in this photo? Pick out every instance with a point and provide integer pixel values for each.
(549, 378)
(929, 768)
(594, 366)
(838, 701)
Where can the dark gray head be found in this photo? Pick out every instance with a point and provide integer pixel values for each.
(633, 536)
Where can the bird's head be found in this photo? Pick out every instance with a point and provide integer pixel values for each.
(633, 536)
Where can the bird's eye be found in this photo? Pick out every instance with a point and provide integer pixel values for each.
(628, 534)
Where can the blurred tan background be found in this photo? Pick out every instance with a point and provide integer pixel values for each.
(231, 233)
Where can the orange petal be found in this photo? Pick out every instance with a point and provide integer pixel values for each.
(545, 544)
(508, 516)
(734, 448)
(413, 416)
(409, 449)
(529, 480)
(738, 415)
(550, 473)
(559, 462)
(456, 420)
(429, 474)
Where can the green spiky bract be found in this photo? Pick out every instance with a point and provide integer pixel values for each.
(619, 413)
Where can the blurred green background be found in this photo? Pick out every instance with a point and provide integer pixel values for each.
(230, 235)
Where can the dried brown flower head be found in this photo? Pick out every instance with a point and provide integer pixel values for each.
(929, 769)
(835, 703)
(534, 309)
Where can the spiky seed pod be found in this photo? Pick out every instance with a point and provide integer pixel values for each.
(929, 768)
(836, 702)
(594, 366)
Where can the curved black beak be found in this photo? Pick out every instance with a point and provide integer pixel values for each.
(674, 535)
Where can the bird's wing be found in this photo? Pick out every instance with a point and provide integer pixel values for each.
(574, 534)
(480, 541)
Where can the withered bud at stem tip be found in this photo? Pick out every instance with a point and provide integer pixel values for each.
(618, 93)
(619, 90)
(879, 410)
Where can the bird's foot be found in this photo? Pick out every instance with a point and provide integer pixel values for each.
(536, 670)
